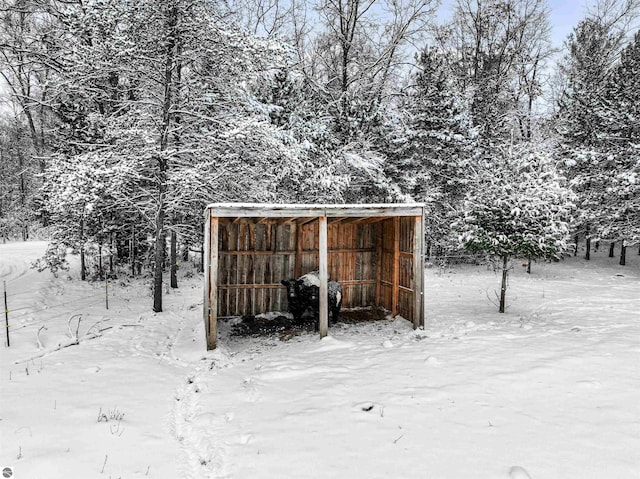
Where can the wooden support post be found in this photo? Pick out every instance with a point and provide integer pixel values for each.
(396, 266)
(418, 273)
(323, 260)
(206, 260)
(211, 280)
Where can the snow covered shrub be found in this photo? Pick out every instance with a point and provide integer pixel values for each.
(54, 259)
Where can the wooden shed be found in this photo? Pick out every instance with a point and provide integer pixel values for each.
(374, 250)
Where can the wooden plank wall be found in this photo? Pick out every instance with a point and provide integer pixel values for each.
(405, 280)
(255, 255)
(253, 258)
(386, 269)
(404, 265)
(352, 261)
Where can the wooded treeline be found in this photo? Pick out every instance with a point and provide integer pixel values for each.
(124, 118)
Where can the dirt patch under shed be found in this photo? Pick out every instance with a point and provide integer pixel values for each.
(284, 326)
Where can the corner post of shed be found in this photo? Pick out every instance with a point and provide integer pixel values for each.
(418, 272)
(211, 230)
(323, 267)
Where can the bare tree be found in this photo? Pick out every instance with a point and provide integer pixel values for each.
(617, 15)
(24, 66)
(266, 18)
(356, 57)
(497, 49)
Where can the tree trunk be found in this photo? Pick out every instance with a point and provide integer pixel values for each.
(159, 257)
(529, 266)
(100, 267)
(587, 255)
(623, 254)
(611, 247)
(83, 267)
(22, 184)
(503, 288)
(168, 84)
(132, 250)
(174, 260)
(112, 249)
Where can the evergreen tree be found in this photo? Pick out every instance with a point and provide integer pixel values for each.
(581, 111)
(619, 210)
(622, 114)
(597, 121)
(517, 205)
(432, 151)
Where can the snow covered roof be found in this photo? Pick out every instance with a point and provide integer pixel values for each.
(275, 210)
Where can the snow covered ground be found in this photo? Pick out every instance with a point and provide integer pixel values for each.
(551, 389)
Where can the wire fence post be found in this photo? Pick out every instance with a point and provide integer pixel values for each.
(6, 312)
(106, 293)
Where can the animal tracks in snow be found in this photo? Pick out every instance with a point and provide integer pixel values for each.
(195, 430)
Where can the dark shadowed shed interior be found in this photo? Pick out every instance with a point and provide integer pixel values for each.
(374, 251)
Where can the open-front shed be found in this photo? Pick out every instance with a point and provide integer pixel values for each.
(374, 251)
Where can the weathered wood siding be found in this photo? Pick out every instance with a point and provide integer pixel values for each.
(397, 266)
(386, 270)
(255, 256)
(375, 251)
(373, 260)
(405, 278)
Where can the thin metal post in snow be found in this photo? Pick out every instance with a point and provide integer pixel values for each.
(6, 312)
(106, 293)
